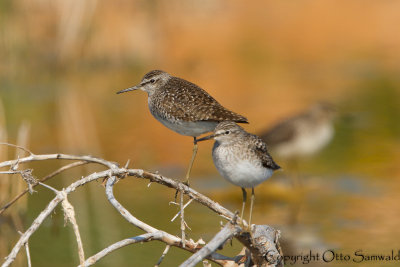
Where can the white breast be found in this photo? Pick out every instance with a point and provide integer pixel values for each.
(239, 168)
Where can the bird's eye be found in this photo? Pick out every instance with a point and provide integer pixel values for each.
(152, 81)
(227, 132)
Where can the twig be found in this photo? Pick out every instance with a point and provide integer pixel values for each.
(133, 172)
(28, 254)
(49, 187)
(167, 238)
(182, 221)
(190, 192)
(219, 239)
(263, 243)
(69, 215)
(46, 212)
(26, 175)
(36, 223)
(113, 174)
(20, 147)
(167, 247)
(176, 215)
(34, 157)
(10, 172)
(127, 163)
(47, 177)
(124, 212)
(141, 238)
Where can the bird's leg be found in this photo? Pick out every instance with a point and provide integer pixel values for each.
(251, 205)
(244, 204)
(191, 161)
(187, 183)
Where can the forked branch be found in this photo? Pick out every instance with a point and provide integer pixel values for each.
(258, 248)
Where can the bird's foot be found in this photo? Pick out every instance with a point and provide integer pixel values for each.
(186, 182)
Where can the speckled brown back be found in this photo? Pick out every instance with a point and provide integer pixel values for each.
(179, 99)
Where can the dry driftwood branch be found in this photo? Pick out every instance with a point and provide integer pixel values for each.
(167, 238)
(217, 241)
(167, 247)
(16, 146)
(82, 160)
(259, 247)
(47, 177)
(28, 254)
(263, 243)
(46, 212)
(190, 192)
(183, 207)
(141, 238)
(34, 157)
(69, 214)
(183, 235)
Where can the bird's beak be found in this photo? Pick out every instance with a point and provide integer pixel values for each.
(136, 87)
(206, 138)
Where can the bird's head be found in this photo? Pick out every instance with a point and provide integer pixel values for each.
(152, 81)
(224, 132)
(323, 111)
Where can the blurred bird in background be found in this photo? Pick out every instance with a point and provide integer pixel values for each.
(300, 136)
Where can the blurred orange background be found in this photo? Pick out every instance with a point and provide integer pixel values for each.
(63, 61)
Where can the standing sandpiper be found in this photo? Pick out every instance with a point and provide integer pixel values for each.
(299, 136)
(183, 106)
(241, 158)
(302, 135)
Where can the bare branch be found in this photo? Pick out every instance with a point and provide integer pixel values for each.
(28, 254)
(10, 172)
(26, 175)
(127, 163)
(214, 206)
(36, 223)
(141, 238)
(132, 172)
(167, 247)
(49, 187)
(69, 215)
(262, 243)
(47, 177)
(182, 222)
(218, 240)
(124, 212)
(29, 179)
(19, 147)
(167, 238)
(46, 212)
(184, 207)
(34, 157)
